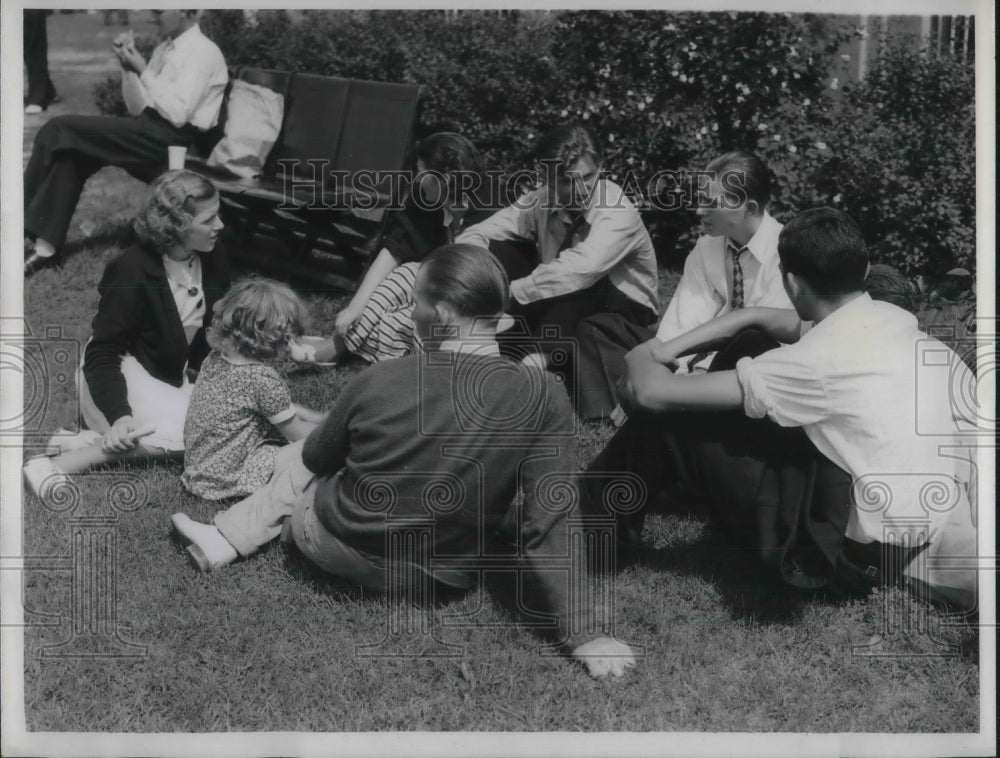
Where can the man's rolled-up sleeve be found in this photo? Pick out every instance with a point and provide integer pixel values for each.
(201, 83)
(614, 232)
(782, 387)
(515, 222)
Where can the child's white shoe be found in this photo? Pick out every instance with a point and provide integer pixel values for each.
(65, 441)
(42, 476)
(208, 550)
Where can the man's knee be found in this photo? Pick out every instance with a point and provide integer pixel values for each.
(53, 129)
(748, 343)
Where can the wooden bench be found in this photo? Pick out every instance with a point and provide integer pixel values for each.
(307, 195)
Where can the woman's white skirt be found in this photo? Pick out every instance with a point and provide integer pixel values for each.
(153, 402)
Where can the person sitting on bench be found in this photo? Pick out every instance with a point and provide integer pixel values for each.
(175, 97)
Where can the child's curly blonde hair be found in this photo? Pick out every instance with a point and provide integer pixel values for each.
(257, 318)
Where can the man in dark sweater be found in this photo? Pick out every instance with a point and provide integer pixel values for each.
(435, 444)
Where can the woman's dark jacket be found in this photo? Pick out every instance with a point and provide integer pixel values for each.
(137, 315)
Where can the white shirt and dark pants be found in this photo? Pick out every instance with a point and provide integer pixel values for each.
(591, 280)
(883, 403)
(705, 290)
(176, 100)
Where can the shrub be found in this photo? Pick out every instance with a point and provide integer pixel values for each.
(670, 91)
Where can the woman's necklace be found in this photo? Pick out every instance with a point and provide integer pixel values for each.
(185, 271)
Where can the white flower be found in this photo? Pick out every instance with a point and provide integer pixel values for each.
(740, 98)
(629, 93)
(684, 78)
(586, 116)
(807, 101)
(530, 135)
(670, 28)
(736, 122)
(564, 113)
(774, 70)
(792, 52)
(692, 46)
(704, 130)
(649, 99)
(697, 136)
(715, 126)
(792, 149)
(746, 90)
(740, 85)
(641, 106)
(674, 72)
(821, 146)
(762, 126)
(784, 85)
(795, 75)
(630, 161)
(611, 138)
(845, 57)
(725, 78)
(777, 138)
(834, 83)
(836, 198)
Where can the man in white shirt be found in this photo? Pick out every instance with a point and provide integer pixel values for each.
(176, 97)
(593, 275)
(873, 394)
(734, 264)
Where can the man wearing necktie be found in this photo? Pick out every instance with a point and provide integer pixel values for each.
(734, 263)
(175, 98)
(581, 266)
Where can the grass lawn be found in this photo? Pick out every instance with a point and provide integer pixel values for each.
(271, 644)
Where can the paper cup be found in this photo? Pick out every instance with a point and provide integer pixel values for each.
(176, 155)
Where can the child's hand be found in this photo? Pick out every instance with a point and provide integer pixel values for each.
(346, 318)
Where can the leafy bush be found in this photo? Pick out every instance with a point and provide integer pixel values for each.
(670, 91)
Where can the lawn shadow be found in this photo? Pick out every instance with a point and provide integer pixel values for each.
(111, 233)
(748, 588)
(340, 589)
(745, 586)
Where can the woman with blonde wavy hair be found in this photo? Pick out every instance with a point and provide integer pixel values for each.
(155, 300)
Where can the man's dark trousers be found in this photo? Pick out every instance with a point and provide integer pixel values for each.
(69, 149)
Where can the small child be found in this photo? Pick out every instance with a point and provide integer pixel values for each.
(241, 410)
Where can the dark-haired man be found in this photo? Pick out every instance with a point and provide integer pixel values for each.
(591, 276)
(176, 96)
(873, 394)
(734, 264)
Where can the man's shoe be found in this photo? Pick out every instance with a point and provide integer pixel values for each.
(33, 109)
(35, 263)
(42, 476)
(208, 550)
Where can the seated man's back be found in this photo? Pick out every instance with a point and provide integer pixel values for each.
(479, 428)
